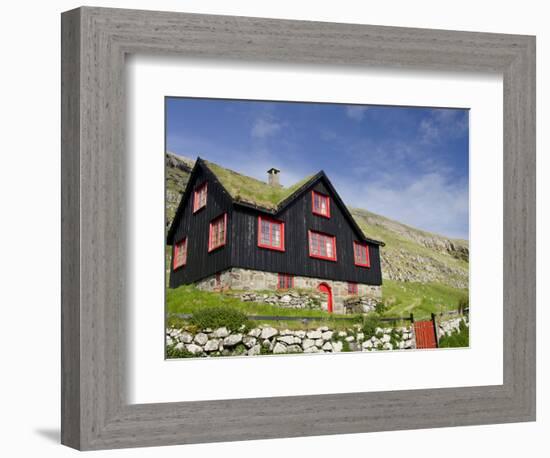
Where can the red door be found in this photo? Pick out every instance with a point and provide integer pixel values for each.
(324, 288)
(425, 334)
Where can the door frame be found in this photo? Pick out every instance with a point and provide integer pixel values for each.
(326, 289)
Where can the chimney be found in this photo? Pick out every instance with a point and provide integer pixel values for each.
(273, 177)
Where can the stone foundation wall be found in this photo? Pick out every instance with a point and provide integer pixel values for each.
(255, 280)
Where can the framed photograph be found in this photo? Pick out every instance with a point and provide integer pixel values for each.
(280, 228)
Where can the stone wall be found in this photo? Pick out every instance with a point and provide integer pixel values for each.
(266, 340)
(255, 280)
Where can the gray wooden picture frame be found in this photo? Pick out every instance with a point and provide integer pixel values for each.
(95, 412)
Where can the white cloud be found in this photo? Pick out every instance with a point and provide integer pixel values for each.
(442, 124)
(356, 112)
(432, 201)
(265, 127)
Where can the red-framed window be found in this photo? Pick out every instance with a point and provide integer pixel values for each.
(180, 253)
(199, 199)
(361, 254)
(353, 288)
(322, 246)
(218, 232)
(271, 233)
(285, 281)
(320, 204)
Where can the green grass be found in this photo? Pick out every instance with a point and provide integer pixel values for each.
(421, 299)
(248, 189)
(458, 339)
(188, 299)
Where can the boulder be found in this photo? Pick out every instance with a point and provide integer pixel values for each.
(327, 346)
(279, 348)
(307, 343)
(212, 345)
(337, 346)
(367, 345)
(255, 332)
(385, 338)
(312, 350)
(194, 349)
(319, 343)
(201, 338)
(179, 346)
(388, 346)
(267, 333)
(186, 337)
(327, 335)
(323, 329)
(289, 340)
(294, 349)
(300, 334)
(350, 339)
(249, 341)
(255, 350)
(314, 334)
(220, 333)
(232, 340)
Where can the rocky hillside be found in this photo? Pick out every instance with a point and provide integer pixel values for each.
(410, 255)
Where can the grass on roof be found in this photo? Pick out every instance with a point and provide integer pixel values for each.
(252, 191)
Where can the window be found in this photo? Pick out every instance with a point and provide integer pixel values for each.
(218, 232)
(200, 197)
(322, 246)
(285, 281)
(271, 233)
(180, 253)
(361, 254)
(352, 288)
(320, 204)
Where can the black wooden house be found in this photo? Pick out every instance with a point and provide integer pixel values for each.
(233, 231)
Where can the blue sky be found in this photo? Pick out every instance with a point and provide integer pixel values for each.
(406, 163)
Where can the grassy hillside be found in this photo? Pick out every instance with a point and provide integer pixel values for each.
(423, 272)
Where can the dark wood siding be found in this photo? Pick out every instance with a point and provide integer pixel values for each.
(195, 226)
(298, 218)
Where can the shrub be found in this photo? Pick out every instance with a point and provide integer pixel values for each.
(370, 323)
(173, 352)
(460, 338)
(217, 317)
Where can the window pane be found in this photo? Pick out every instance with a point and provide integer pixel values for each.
(275, 235)
(265, 233)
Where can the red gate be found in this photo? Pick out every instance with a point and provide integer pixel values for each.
(425, 334)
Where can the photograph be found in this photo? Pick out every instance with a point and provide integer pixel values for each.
(301, 227)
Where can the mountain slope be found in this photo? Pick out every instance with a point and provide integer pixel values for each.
(410, 255)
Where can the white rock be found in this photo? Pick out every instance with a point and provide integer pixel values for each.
(319, 343)
(327, 346)
(201, 338)
(323, 329)
(220, 333)
(337, 346)
(312, 350)
(350, 339)
(360, 336)
(289, 340)
(388, 346)
(267, 333)
(368, 344)
(300, 334)
(294, 349)
(279, 348)
(342, 334)
(286, 332)
(212, 345)
(232, 340)
(385, 338)
(401, 345)
(285, 299)
(307, 343)
(186, 337)
(254, 351)
(327, 335)
(179, 346)
(194, 349)
(266, 343)
(249, 341)
(379, 331)
(255, 332)
(314, 334)
(169, 341)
